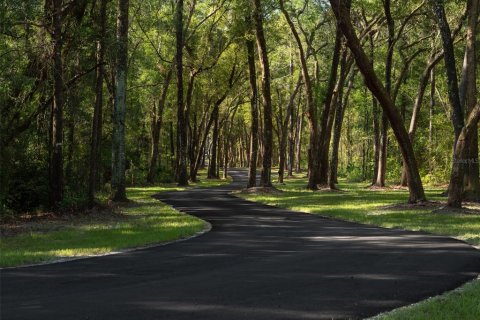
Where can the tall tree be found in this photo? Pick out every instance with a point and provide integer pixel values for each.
(342, 14)
(266, 179)
(118, 137)
(463, 139)
(155, 128)
(182, 120)
(252, 77)
(327, 116)
(94, 160)
(56, 138)
(472, 183)
(313, 147)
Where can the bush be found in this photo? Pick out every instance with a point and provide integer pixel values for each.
(27, 190)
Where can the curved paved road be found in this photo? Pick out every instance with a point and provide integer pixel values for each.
(258, 262)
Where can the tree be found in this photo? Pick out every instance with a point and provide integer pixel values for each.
(266, 179)
(342, 14)
(118, 139)
(313, 147)
(182, 116)
(252, 73)
(472, 183)
(56, 135)
(97, 115)
(464, 136)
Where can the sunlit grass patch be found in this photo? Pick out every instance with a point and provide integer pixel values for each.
(462, 303)
(142, 221)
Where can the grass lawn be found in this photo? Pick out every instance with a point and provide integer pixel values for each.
(356, 203)
(140, 222)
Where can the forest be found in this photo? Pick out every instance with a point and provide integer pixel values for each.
(100, 95)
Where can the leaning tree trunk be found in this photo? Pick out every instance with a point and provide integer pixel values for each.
(313, 147)
(56, 157)
(342, 13)
(456, 179)
(252, 167)
(95, 159)
(427, 73)
(118, 136)
(266, 179)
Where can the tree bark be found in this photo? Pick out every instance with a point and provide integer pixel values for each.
(182, 116)
(313, 147)
(342, 13)
(455, 190)
(427, 73)
(156, 125)
(449, 57)
(118, 137)
(339, 115)
(382, 155)
(252, 166)
(472, 183)
(376, 122)
(95, 159)
(212, 165)
(326, 120)
(266, 179)
(284, 132)
(298, 140)
(56, 157)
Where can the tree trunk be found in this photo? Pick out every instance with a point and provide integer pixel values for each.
(430, 122)
(156, 125)
(455, 190)
(284, 131)
(56, 158)
(376, 123)
(252, 167)
(427, 73)
(266, 179)
(298, 140)
(472, 184)
(95, 159)
(291, 143)
(118, 136)
(341, 106)
(212, 165)
(382, 156)
(182, 117)
(342, 13)
(327, 114)
(313, 147)
(449, 57)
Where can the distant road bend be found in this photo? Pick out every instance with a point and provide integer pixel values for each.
(258, 262)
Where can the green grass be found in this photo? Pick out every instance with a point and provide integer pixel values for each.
(460, 304)
(144, 221)
(362, 205)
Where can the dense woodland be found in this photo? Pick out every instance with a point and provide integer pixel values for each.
(97, 95)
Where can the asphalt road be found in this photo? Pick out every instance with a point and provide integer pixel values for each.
(258, 262)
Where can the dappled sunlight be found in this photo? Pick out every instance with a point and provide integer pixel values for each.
(360, 204)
